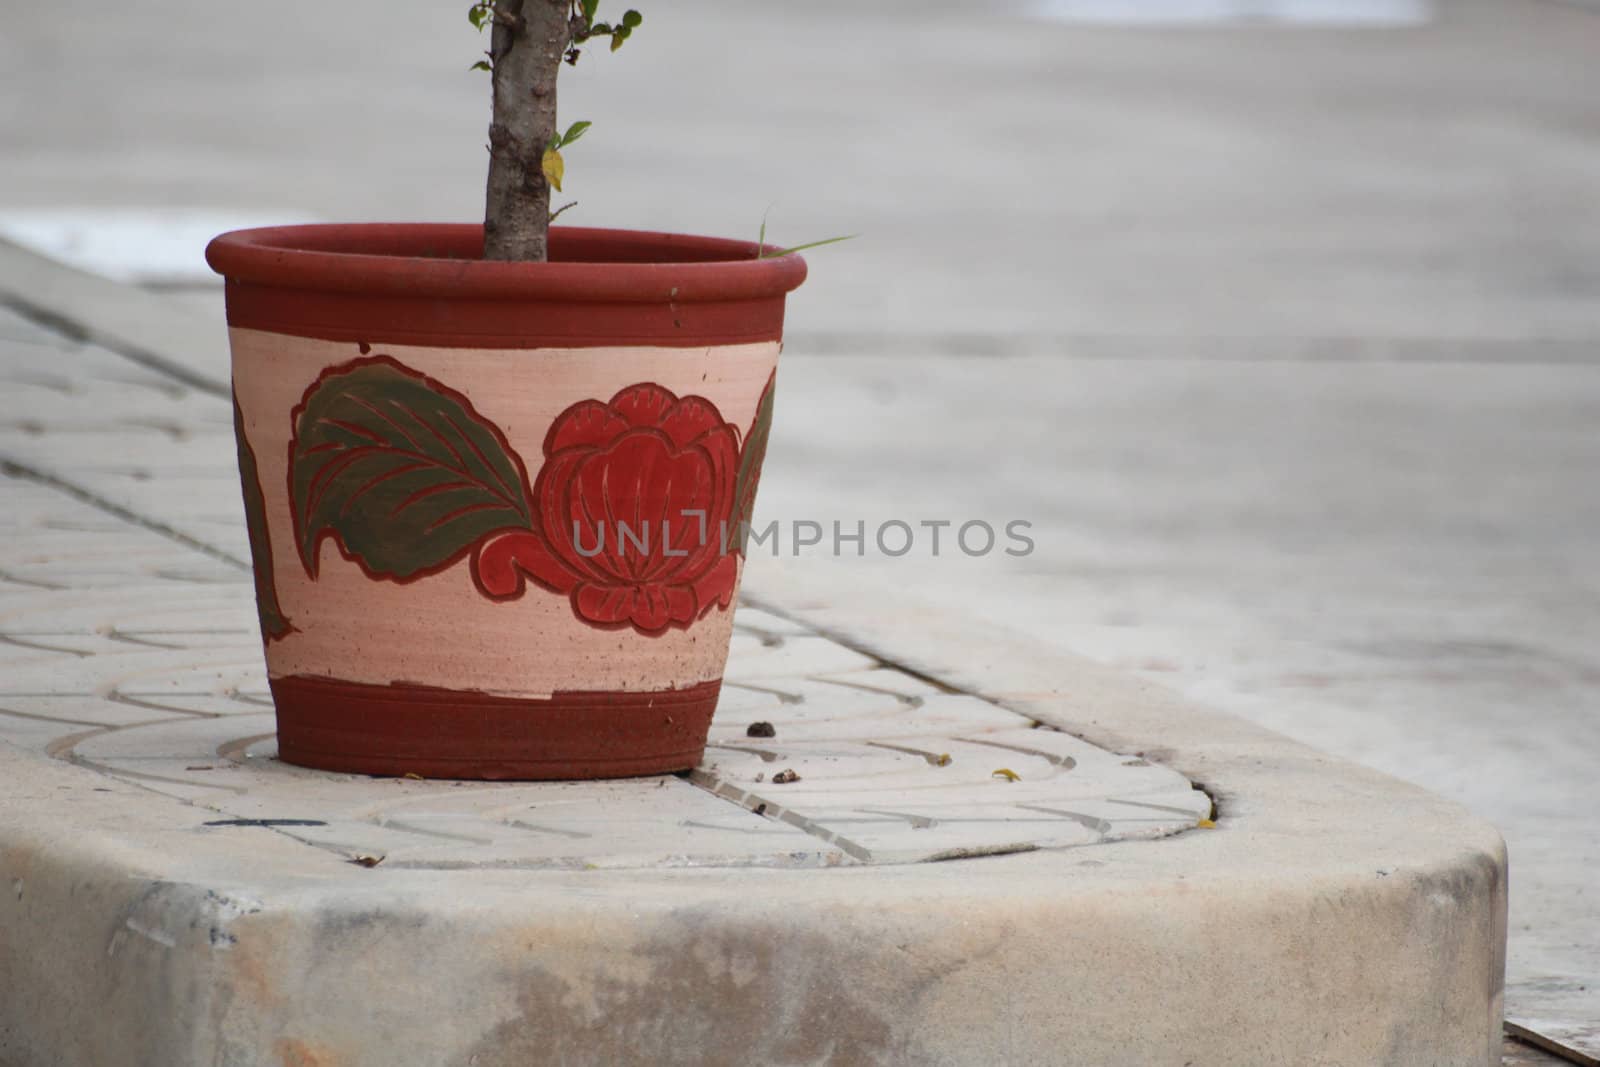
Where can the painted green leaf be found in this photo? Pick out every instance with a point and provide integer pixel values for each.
(751, 455)
(273, 623)
(400, 470)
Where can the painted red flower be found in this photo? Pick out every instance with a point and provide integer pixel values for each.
(618, 506)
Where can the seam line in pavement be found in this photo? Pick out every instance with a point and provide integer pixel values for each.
(74, 330)
(1566, 1053)
(1201, 348)
(13, 469)
(838, 637)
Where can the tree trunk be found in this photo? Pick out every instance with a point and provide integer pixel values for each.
(529, 39)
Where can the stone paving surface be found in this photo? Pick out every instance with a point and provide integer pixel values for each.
(179, 896)
(127, 645)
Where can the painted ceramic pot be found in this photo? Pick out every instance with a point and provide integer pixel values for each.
(494, 507)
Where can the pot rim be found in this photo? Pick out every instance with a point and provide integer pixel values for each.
(589, 265)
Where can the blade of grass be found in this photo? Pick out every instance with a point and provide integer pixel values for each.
(800, 248)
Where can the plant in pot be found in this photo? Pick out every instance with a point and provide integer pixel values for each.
(494, 476)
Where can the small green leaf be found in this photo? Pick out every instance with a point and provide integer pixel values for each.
(477, 14)
(575, 131)
(589, 8)
(482, 64)
(600, 29)
(632, 19)
(619, 35)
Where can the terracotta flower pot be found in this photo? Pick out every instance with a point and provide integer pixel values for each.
(486, 500)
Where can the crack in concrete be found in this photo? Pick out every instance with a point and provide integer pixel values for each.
(718, 787)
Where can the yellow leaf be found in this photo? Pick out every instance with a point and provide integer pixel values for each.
(1206, 824)
(555, 168)
(1008, 774)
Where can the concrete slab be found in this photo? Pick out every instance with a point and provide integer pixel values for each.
(1386, 560)
(151, 917)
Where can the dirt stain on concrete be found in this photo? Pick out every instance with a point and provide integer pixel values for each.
(295, 1053)
(762, 995)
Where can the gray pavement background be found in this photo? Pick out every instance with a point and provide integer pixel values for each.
(1286, 339)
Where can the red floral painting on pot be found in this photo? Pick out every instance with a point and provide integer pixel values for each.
(635, 514)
